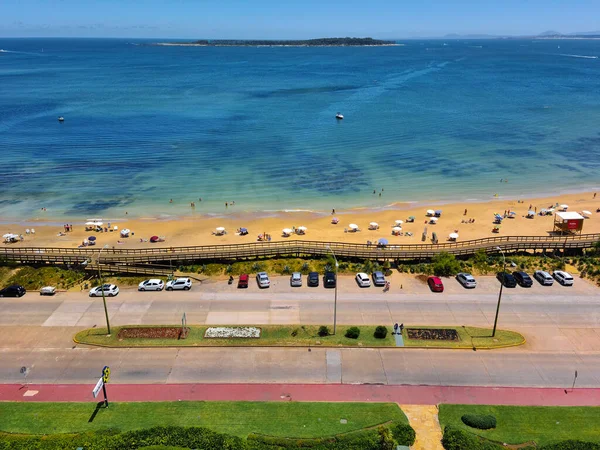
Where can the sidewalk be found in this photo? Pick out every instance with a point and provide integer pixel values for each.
(404, 395)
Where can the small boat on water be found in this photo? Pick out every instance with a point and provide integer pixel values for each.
(61, 119)
(339, 116)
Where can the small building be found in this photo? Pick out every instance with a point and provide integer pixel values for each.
(568, 222)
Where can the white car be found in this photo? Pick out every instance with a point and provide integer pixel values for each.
(563, 277)
(263, 280)
(151, 285)
(48, 290)
(363, 279)
(543, 277)
(296, 279)
(110, 290)
(184, 284)
(467, 280)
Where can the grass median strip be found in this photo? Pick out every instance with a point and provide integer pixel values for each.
(298, 336)
(520, 424)
(282, 419)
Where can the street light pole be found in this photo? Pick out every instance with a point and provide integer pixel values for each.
(335, 294)
(500, 294)
(102, 289)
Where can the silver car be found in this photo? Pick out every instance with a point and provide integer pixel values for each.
(467, 280)
(296, 279)
(262, 279)
(110, 290)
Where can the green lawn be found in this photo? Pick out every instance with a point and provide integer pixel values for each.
(305, 335)
(470, 337)
(284, 419)
(519, 424)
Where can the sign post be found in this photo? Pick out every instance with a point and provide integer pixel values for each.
(101, 384)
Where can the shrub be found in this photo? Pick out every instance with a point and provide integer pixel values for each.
(305, 268)
(571, 445)
(455, 439)
(286, 270)
(445, 265)
(323, 331)
(386, 439)
(380, 332)
(353, 332)
(404, 434)
(479, 421)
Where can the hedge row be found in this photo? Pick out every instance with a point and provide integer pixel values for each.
(479, 421)
(457, 439)
(201, 438)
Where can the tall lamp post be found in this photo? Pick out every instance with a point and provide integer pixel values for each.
(102, 288)
(335, 294)
(500, 294)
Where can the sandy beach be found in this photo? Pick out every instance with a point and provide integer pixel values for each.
(199, 230)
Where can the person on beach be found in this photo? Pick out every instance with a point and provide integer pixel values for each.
(465, 212)
(594, 195)
(226, 204)
(199, 199)
(171, 201)
(333, 211)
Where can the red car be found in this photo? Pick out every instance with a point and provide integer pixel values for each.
(243, 281)
(435, 284)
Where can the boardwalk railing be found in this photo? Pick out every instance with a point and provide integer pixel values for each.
(16, 253)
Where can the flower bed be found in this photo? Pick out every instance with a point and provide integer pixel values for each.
(153, 333)
(436, 334)
(232, 332)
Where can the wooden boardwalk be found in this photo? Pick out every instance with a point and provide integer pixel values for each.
(182, 255)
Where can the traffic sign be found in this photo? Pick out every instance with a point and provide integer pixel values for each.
(99, 385)
(106, 374)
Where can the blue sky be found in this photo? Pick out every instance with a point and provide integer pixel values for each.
(292, 19)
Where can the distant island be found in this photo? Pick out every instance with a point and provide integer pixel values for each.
(322, 42)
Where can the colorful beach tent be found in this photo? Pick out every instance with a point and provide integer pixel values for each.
(382, 241)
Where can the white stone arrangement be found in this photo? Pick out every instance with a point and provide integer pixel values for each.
(232, 332)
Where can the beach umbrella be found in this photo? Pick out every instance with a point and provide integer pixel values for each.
(453, 235)
(430, 212)
(586, 213)
(382, 241)
(335, 219)
(531, 212)
(353, 226)
(411, 217)
(154, 239)
(498, 216)
(287, 231)
(433, 220)
(220, 229)
(438, 212)
(8, 235)
(396, 229)
(374, 224)
(90, 224)
(244, 230)
(512, 213)
(302, 228)
(92, 238)
(564, 206)
(399, 222)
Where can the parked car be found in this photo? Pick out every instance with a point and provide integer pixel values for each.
(329, 280)
(153, 284)
(263, 280)
(296, 279)
(15, 290)
(467, 280)
(523, 278)
(243, 281)
(181, 284)
(363, 279)
(506, 279)
(563, 277)
(378, 278)
(312, 279)
(435, 284)
(110, 290)
(543, 277)
(48, 290)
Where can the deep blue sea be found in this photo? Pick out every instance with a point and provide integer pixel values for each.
(426, 121)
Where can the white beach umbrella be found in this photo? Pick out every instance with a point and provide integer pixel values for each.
(374, 224)
(302, 228)
(115, 228)
(430, 212)
(287, 231)
(220, 229)
(564, 206)
(453, 235)
(8, 235)
(585, 213)
(399, 222)
(90, 224)
(433, 220)
(397, 229)
(353, 226)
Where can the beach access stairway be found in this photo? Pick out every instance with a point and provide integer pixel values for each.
(295, 248)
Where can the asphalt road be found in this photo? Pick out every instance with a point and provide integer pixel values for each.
(562, 326)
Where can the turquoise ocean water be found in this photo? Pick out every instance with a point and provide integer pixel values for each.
(427, 121)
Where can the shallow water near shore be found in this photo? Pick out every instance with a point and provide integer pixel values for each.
(424, 122)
